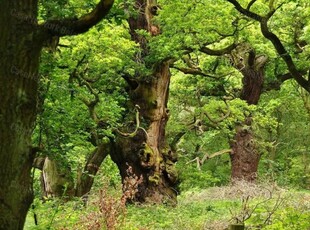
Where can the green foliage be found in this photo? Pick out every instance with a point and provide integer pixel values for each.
(65, 126)
(286, 158)
(107, 173)
(280, 120)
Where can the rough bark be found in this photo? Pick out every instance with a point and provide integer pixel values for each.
(146, 151)
(21, 41)
(18, 95)
(245, 155)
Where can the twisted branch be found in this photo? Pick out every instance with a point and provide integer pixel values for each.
(134, 133)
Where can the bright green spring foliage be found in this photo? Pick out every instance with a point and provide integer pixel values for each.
(65, 125)
(206, 108)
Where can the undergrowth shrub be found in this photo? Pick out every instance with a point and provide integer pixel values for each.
(110, 211)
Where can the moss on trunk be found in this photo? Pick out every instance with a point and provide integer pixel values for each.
(147, 152)
(18, 95)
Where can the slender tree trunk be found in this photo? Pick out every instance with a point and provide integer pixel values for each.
(245, 155)
(86, 176)
(18, 95)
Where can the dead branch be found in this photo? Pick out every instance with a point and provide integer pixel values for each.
(208, 156)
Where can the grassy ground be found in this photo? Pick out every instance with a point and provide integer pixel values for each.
(259, 207)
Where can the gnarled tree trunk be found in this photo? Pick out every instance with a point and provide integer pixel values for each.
(145, 151)
(245, 155)
(57, 181)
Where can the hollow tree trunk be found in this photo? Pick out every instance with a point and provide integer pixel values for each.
(147, 152)
(57, 181)
(18, 95)
(245, 155)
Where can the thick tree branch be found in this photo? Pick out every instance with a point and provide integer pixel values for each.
(284, 77)
(133, 84)
(275, 41)
(86, 176)
(208, 156)
(74, 26)
(206, 50)
(251, 58)
(176, 140)
(272, 9)
(280, 78)
(193, 71)
(220, 52)
(284, 55)
(246, 12)
(260, 61)
(250, 4)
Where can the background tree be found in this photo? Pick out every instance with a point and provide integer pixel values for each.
(272, 11)
(243, 29)
(85, 91)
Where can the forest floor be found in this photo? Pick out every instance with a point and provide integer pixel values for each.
(264, 206)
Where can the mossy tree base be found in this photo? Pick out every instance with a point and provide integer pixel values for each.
(147, 152)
